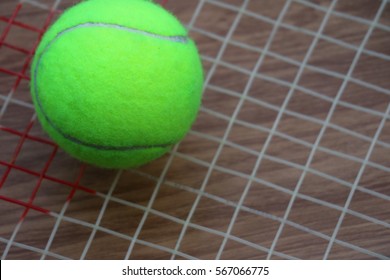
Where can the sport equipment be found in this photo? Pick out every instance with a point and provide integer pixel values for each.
(116, 83)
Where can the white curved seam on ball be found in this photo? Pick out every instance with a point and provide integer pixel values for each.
(176, 39)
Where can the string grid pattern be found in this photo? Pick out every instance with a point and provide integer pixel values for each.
(289, 139)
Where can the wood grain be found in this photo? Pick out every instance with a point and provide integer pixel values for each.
(365, 230)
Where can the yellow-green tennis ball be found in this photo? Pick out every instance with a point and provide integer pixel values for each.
(116, 83)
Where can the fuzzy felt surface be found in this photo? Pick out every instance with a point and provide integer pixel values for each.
(116, 83)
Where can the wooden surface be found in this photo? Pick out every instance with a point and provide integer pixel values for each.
(35, 176)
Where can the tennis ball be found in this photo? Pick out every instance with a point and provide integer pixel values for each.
(116, 83)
